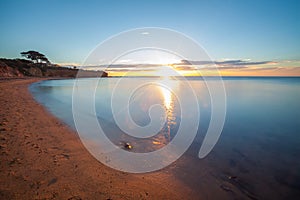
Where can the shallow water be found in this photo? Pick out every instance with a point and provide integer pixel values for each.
(257, 155)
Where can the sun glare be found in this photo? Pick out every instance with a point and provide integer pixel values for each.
(167, 95)
(167, 86)
(166, 71)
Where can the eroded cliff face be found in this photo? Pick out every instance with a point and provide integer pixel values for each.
(24, 68)
(6, 71)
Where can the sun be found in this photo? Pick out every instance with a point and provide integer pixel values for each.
(166, 71)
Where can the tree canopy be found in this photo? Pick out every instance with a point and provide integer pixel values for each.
(35, 56)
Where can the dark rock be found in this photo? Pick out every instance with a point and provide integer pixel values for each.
(127, 146)
(52, 181)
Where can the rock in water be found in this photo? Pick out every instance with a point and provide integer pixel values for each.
(127, 146)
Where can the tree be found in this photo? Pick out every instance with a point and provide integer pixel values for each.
(35, 56)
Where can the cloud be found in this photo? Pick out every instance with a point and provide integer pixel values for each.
(225, 67)
(68, 64)
(124, 67)
(185, 67)
(226, 62)
(239, 67)
(263, 69)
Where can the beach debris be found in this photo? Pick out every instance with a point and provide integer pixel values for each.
(232, 177)
(75, 198)
(2, 138)
(127, 146)
(52, 181)
(239, 184)
(15, 161)
(67, 156)
(226, 188)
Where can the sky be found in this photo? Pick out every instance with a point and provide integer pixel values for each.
(66, 31)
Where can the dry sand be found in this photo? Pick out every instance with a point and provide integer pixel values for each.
(41, 158)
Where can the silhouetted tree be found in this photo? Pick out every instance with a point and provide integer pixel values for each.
(35, 56)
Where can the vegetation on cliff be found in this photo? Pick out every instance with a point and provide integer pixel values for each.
(35, 56)
(40, 68)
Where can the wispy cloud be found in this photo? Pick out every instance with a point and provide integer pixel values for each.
(226, 62)
(242, 67)
(68, 64)
(224, 67)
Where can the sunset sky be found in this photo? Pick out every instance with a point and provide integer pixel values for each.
(255, 38)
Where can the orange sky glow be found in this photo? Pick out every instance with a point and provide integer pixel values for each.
(280, 68)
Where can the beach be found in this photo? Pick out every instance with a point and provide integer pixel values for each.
(42, 158)
(122, 100)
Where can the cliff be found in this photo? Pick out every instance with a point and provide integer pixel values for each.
(25, 68)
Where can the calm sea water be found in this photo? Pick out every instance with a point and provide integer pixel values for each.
(257, 155)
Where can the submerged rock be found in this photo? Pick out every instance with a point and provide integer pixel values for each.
(127, 146)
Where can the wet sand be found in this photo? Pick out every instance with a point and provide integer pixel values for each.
(41, 158)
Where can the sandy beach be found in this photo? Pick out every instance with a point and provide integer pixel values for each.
(41, 158)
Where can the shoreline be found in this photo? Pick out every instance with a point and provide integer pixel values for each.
(42, 158)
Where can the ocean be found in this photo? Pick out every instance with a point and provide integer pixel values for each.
(256, 155)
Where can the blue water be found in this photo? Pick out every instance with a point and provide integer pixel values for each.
(256, 156)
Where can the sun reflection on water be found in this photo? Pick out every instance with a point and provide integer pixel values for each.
(160, 92)
(167, 96)
(167, 88)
